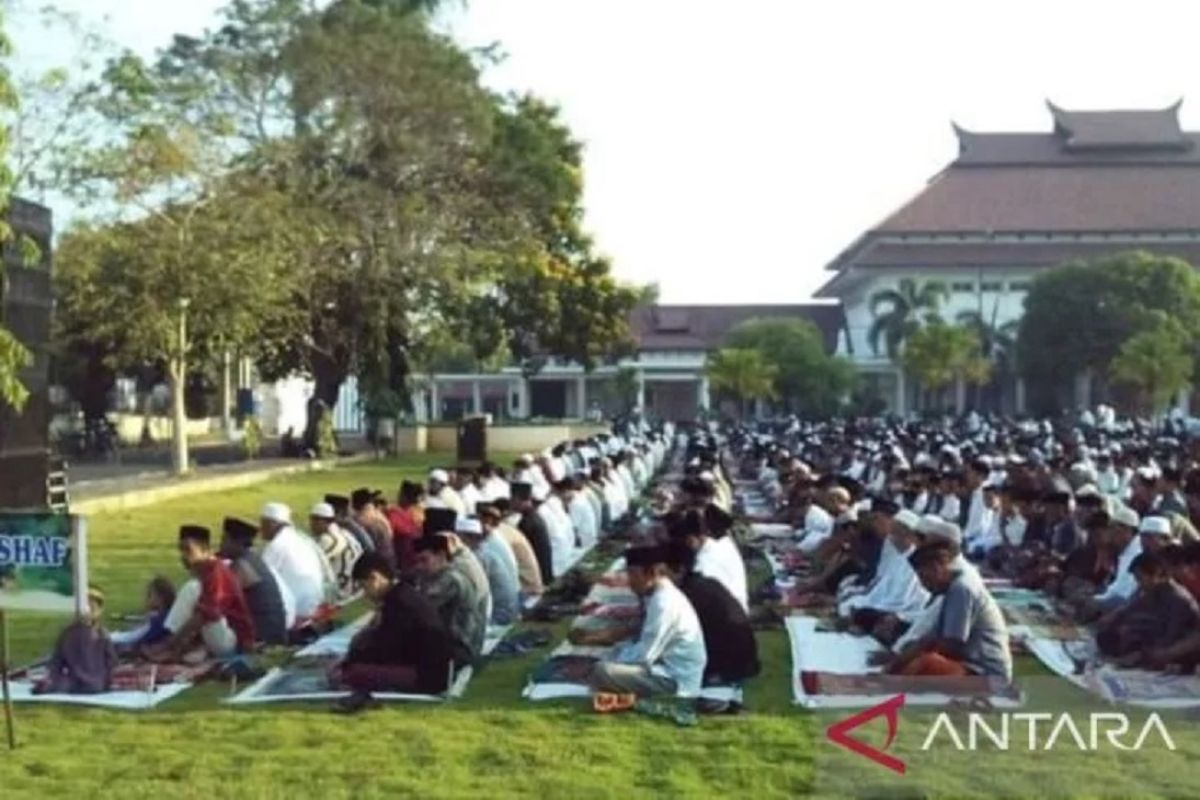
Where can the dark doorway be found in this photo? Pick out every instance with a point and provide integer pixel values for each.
(548, 399)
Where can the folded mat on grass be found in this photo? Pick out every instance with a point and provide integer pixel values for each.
(1081, 664)
(136, 686)
(832, 670)
(309, 681)
(337, 642)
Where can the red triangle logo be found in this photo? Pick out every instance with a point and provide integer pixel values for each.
(890, 709)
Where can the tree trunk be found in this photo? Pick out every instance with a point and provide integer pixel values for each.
(328, 378)
(226, 395)
(179, 444)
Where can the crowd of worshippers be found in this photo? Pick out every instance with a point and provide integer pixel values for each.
(900, 520)
(693, 629)
(469, 548)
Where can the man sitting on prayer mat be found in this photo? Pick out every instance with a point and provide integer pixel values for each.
(1148, 630)
(365, 512)
(340, 548)
(84, 657)
(271, 605)
(668, 656)
(1121, 537)
(971, 637)
(348, 524)
(534, 529)
(729, 644)
(499, 564)
(719, 560)
(896, 597)
(528, 572)
(296, 558)
(209, 609)
(404, 648)
(454, 596)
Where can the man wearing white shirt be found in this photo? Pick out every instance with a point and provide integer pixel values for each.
(469, 490)
(668, 656)
(716, 558)
(1123, 536)
(562, 533)
(494, 487)
(977, 510)
(579, 508)
(441, 494)
(295, 558)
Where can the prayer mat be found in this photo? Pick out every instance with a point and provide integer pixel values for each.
(310, 682)
(337, 643)
(136, 685)
(833, 670)
(1081, 664)
(611, 610)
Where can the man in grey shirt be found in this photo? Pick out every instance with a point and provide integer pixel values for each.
(970, 637)
(499, 565)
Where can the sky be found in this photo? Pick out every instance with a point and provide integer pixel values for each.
(733, 149)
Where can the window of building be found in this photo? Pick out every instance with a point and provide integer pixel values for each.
(965, 287)
(1018, 286)
(991, 286)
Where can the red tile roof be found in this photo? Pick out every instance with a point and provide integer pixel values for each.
(1054, 199)
(705, 327)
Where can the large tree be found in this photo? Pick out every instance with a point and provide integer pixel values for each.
(14, 356)
(1078, 316)
(808, 380)
(743, 374)
(898, 313)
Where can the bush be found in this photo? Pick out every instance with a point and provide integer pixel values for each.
(252, 438)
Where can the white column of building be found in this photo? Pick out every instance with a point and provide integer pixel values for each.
(476, 397)
(435, 410)
(641, 391)
(901, 393)
(581, 396)
(703, 393)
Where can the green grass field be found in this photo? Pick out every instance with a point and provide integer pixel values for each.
(489, 743)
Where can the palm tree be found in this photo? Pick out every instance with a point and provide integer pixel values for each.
(742, 373)
(899, 313)
(997, 343)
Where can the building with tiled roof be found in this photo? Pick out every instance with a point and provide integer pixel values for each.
(1010, 204)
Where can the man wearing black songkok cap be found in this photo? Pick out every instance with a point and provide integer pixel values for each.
(271, 605)
(668, 656)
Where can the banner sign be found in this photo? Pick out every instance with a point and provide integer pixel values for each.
(43, 559)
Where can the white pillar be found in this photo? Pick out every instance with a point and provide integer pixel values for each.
(703, 390)
(476, 397)
(523, 405)
(960, 396)
(1184, 402)
(420, 400)
(641, 391)
(581, 396)
(901, 394)
(435, 410)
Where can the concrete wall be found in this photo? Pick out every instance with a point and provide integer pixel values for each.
(501, 438)
(129, 427)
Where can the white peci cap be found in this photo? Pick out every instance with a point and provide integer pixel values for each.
(277, 512)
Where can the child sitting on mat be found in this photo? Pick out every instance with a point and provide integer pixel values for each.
(84, 656)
